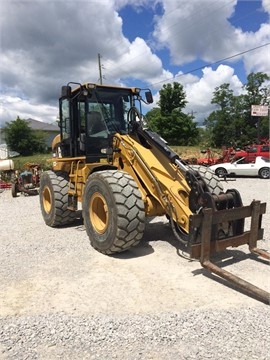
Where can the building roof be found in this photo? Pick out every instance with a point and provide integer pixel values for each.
(40, 125)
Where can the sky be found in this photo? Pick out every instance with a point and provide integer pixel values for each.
(201, 44)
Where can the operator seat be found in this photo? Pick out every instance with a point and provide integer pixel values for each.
(94, 123)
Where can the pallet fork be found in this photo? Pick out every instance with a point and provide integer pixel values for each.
(208, 246)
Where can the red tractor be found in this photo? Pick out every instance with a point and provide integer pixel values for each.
(27, 182)
(227, 155)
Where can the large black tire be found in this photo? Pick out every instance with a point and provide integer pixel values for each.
(53, 196)
(211, 180)
(214, 186)
(14, 190)
(113, 211)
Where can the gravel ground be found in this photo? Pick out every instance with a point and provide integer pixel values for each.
(60, 299)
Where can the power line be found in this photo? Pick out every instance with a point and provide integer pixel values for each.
(213, 63)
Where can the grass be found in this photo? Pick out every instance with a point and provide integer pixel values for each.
(188, 152)
(41, 159)
(185, 152)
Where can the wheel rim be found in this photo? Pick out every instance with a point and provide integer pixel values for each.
(47, 200)
(265, 173)
(98, 211)
(221, 172)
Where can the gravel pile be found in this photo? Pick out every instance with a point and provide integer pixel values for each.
(60, 299)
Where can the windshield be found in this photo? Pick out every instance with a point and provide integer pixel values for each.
(109, 107)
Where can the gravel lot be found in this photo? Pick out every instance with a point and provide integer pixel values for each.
(60, 299)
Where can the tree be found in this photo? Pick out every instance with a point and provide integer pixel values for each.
(22, 139)
(223, 96)
(171, 98)
(169, 121)
(232, 123)
(257, 94)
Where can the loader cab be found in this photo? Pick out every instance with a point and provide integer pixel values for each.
(90, 115)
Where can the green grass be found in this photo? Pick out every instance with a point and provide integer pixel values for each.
(41, 159)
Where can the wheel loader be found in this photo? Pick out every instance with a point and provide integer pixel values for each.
(108, 163)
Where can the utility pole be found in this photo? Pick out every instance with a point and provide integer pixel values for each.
(100, 69)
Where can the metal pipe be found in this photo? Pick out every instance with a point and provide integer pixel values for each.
(182, 167)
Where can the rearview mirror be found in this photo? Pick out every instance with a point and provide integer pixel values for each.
(149, 97)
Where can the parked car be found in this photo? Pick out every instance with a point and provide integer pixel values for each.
(241, 167)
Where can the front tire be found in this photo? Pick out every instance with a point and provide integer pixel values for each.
(113, 211)
(221, 172)
(53, 196)
(14, 190)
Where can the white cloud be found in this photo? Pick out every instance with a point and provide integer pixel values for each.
(196, 29)
(199, 91)
(266, 5)
(12, 107)
(258, 60)
(138, 63)
(201, 29)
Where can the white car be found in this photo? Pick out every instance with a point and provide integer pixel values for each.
(260, 167)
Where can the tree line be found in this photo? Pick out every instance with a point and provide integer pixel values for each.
(231, 124)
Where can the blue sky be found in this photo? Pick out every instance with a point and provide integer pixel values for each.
(47, 43)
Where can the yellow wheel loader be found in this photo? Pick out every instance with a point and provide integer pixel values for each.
(109, 164)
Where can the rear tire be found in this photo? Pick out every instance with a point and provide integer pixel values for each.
(211, 180)
(53, 196)
(214, 186)
(113, 211)
(264, 173)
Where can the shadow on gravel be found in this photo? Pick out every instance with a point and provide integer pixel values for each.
(154, 232)
(230, 257)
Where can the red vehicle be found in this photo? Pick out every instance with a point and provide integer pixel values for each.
(251, 152)
(227, 155)
(4, 185)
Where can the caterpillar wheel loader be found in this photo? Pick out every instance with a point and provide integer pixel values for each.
(118, 172)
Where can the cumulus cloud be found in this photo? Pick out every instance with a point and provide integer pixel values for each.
(196, 29)
(200, 93)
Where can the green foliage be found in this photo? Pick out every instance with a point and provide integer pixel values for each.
(169, 121)
(233, 124)
(176, 128)
(172, 97)
(22, 139)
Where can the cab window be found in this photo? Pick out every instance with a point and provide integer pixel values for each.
(65, 118)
